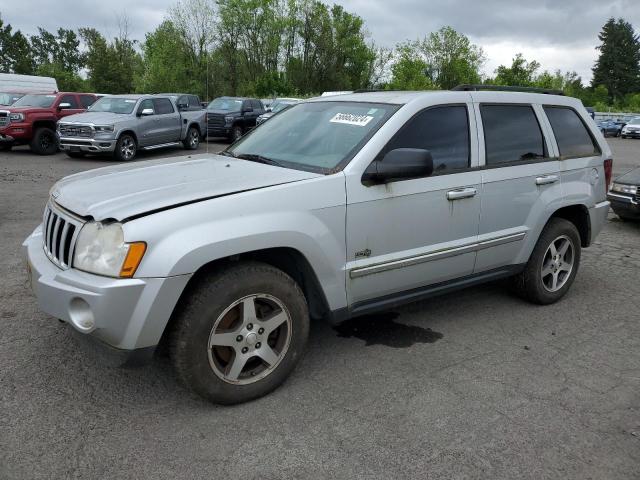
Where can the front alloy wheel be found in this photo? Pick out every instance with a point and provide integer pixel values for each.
(249, 339)
(240, 332)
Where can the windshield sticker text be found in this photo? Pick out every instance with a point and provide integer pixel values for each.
(351, 119)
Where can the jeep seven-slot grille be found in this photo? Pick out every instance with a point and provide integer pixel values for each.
(59, 234)
(82, 131)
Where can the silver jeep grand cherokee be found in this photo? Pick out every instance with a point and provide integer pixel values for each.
(338, 206)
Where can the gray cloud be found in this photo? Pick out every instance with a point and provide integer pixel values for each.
(559, 34)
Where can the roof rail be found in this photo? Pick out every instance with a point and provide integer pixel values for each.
(505, 88)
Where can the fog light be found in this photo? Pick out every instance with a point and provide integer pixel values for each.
(81, 315)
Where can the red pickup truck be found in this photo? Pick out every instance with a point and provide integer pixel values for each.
(32, 119)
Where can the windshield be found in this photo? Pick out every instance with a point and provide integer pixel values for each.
(317, 136)
(279, 106)
(635, 121)
(9, 98)
(114, 105)
(42, 101)
(227, 104)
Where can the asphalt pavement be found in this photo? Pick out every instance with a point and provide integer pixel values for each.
(474, 384)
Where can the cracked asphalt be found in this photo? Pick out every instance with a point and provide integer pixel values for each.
(475, 384)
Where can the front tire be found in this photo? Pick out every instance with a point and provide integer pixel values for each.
(236, 134)
(553, 265)
(192, 140)
(126, 148)
(240, 333)
(44, 142)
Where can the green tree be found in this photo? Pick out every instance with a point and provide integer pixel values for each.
(451, 58)
(408, 71)
(618, 66)
(521, 73)
(15, 51)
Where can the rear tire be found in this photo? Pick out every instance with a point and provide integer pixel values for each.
(553, 265)
(239, 333)
(44, 142)
(126, 148)
(192, 140)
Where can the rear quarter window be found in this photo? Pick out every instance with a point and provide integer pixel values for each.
(572, 135)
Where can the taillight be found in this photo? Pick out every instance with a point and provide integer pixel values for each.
(608, 172)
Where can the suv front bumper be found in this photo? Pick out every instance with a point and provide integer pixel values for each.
(624, 205)
(123, 317)
(87, 145)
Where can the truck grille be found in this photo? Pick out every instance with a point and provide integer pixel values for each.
(82, 131)
(59, 233)
(4, 119)
(215, 121)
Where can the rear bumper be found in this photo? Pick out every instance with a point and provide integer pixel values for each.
(624, 206)
(88, 145)
(598, 217)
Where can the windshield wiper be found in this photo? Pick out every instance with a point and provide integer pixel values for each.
(254, 157)
(227, 153)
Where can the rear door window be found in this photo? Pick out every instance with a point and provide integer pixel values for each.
(444, 131)
(87, 100)
(71, 100)
(162, 106)
(572, 136)
(512, 134)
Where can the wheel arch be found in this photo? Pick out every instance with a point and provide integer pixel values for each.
(44, 123)
(579, 216)
(129, 132)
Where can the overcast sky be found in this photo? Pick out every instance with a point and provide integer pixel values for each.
(559, 34)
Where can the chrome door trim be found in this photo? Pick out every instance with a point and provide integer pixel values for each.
(436, 255)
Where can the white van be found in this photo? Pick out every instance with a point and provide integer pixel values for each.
(10, 82)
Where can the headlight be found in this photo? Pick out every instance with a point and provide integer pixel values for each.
(101, 249)
(228, 119)
(16, 117)
(103, 128)
(617, 187)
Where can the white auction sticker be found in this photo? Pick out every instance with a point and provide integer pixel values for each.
(351, 119)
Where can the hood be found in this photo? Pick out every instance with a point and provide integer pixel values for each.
(131, 190)
(630, 178)
(98, 118)
(26, 109)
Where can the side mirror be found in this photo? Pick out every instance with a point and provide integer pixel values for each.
(64, 106)
(146, 112)
(399, 164)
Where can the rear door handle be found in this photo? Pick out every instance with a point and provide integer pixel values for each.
(461, 193)
(546, 179)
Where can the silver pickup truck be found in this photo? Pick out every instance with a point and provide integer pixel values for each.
(123, 124)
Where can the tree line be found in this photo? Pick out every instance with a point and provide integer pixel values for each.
(296, 48)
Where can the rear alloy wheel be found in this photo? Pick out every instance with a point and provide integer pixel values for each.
(192, 140)
(553, 265)
(125, 148)
(44, 142)
(240, 333)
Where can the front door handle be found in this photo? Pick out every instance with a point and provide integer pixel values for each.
(461, 193)
(547, 179)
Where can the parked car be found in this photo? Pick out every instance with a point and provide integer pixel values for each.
(232, 117)
(123, 124)
(277, 105)
(12, 82)
(625, 195)
(610, 128)
(631, 129)
(334, 208)
(9, 98)
(32, 119)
